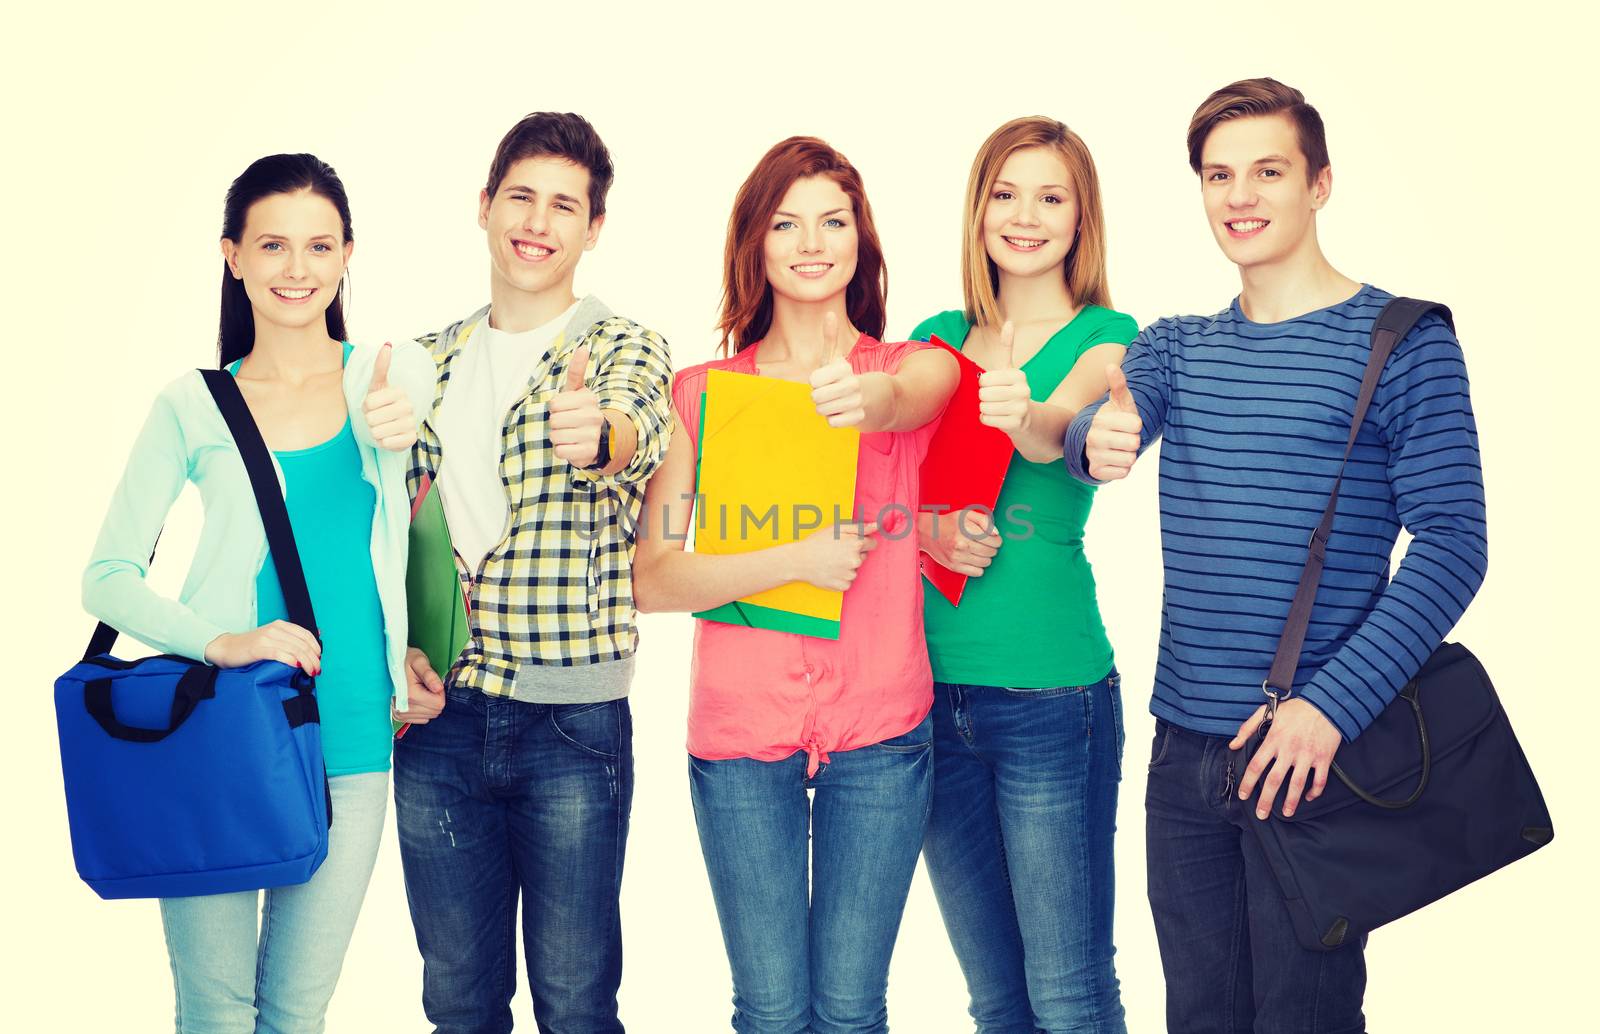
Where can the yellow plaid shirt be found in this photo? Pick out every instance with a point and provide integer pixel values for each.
(557, 590)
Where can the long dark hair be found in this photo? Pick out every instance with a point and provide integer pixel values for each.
(274, 174)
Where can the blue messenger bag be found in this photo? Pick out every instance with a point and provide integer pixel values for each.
(183, 778)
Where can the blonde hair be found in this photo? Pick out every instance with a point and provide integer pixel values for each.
(1085, 265)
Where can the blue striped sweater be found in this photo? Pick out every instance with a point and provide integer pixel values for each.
(1255, 418)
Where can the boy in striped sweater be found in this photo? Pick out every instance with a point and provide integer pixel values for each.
(1254, 404)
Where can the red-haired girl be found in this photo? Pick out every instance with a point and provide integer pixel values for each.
(773, 715)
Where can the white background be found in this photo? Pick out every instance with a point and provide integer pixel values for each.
(1464, 167)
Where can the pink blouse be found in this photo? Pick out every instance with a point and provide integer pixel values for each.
(756, 693)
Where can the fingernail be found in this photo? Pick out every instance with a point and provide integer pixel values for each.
(1261, 815)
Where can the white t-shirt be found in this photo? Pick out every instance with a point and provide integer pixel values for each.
(486, 379)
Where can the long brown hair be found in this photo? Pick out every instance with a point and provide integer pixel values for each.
(1085, 265)
(746, 294)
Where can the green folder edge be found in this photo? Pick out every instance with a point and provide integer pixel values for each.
(437, 612)
(753, 615)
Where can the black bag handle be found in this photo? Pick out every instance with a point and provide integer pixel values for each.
(1409, 692)
(269, 501)
(1388, 330)
(197, 684)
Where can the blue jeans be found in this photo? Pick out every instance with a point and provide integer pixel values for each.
(1228, 948)
(817, 964)
(497, 799)
(231, 978)
(1019, 851)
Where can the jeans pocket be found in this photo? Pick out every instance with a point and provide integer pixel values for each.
(593, 728)
(1160, 743)
(920, 737)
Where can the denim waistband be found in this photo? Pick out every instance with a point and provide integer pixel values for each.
(1198, 738)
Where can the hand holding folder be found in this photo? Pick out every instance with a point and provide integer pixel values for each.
(965, 467)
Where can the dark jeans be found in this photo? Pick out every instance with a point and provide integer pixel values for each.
(495, 799)
(1228, 948)
(816, 963)
(1019, 851)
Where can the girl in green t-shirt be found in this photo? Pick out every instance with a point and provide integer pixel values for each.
(1027, 713)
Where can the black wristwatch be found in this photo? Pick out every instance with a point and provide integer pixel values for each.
(602, 456)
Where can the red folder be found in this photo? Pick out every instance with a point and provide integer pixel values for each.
(965, 467)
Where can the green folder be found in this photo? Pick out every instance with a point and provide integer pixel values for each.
(436, 608)
(756, 616)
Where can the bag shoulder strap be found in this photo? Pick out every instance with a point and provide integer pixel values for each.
(269, 497)
(269, 501)
(1388, 330)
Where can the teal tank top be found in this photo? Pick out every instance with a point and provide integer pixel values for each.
(331, 508)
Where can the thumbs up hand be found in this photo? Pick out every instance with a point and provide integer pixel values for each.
(1113, 442)
(575, 417)
(1003, 393)
(390, 418)
(835, 387)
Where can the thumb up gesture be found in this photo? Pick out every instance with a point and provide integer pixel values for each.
(835, 387)
(1003, 393)
(575, 417)
(1113, 442)
(390, 418)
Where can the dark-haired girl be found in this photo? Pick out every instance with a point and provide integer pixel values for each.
(809, 892)
(339, 419)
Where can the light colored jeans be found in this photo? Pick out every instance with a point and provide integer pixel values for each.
(231, 978)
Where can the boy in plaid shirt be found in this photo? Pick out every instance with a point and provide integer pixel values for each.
(550, 415)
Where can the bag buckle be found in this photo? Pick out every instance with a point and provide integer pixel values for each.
(1274, 697)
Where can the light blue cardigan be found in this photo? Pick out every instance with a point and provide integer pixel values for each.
(185, 439)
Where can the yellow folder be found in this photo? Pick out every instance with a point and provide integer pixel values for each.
(770, 471)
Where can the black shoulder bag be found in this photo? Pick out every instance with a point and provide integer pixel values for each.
(1433, 795)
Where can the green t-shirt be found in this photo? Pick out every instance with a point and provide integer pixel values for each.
(1031, 621)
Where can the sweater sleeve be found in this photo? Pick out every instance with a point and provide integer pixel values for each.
(1149, 381)
(114, 586)
(1424, 416)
